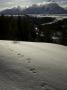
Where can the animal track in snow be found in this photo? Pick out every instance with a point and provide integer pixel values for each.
(15, 42)
(43, 84)
(18, 54)
(33, 70)
(28, 60)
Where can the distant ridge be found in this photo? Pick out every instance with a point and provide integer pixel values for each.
(12, 11)
(50, 8)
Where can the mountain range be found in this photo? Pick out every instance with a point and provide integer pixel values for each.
(50, 8)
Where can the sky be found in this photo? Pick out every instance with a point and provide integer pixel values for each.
(23, 3)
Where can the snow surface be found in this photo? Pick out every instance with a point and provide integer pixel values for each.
(32, 66)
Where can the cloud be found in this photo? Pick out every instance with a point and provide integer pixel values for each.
(14, 3)
(42, 3)
(63, 3)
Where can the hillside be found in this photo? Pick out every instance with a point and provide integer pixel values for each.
(32, 66)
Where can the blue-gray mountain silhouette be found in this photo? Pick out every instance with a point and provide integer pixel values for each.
(51, 8)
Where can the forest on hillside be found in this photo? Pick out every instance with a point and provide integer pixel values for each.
(28, 28)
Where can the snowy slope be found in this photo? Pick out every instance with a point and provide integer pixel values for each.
(32, 66)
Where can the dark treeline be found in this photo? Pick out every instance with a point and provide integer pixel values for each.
(27, 28)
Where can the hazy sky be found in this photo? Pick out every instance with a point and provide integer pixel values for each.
(13, 3)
